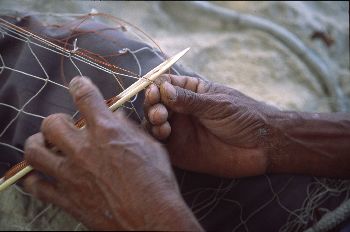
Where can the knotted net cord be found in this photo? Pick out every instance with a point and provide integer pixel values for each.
(31, 39)
(215, 196)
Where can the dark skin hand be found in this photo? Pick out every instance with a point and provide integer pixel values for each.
(109, 175)
(214, 129)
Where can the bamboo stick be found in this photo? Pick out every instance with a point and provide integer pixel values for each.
(10, 181)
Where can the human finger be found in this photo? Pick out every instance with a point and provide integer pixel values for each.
(152, 95)
(185, 101)
(41, 158)
(89, 100)
(44, 190)
(157, 114)
(60, 131)
(162, 78)
(161, 132)
(193, 84)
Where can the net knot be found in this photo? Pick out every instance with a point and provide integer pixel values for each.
(123, 51)
(75, 47)
(93, 12)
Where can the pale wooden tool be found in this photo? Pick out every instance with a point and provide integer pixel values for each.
(123, 97)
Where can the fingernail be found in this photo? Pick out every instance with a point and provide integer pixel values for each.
(170, 91)
(77, 82)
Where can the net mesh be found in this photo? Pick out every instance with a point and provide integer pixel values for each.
(37, 62)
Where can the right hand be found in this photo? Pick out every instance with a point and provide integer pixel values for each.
(109, 175)
(207, 127)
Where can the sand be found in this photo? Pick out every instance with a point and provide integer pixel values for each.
(251, 61)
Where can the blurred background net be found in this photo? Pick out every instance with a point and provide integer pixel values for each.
(257, 62)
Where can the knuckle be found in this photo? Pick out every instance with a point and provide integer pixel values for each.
(105, 127)
(31, 148)
(158, 114)
(102, 123)
(51, 122)
(78, 158)
(59, 167)
(190, 98)
(205, 86)
(223, 106)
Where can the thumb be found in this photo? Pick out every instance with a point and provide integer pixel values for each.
(184, 101)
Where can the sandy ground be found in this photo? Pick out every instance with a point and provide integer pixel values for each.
(251, 61)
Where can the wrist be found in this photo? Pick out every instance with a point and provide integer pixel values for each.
(172, 213)
(308, 143)
(275, 147)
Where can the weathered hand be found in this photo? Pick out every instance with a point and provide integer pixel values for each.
(109, 175)
(214, 129)
(208, 127)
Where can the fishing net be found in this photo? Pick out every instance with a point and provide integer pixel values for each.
(38, 59)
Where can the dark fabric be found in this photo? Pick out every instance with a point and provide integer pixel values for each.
(247, 204)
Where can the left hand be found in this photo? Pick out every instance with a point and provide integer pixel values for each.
(208, 127)
(109, 175)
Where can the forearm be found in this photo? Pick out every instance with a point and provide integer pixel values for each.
(310, 143)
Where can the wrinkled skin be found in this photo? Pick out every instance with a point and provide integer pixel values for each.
(109, 175)
(214, 129)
